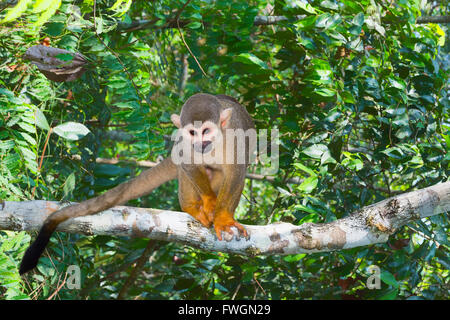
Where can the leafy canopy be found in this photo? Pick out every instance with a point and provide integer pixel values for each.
(358, 91)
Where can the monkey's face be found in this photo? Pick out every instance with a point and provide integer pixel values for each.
(201, 135)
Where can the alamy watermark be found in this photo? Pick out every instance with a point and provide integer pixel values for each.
(234, 146)
(374, 280)
(73, 280)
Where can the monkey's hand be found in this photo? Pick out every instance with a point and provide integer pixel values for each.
(223, 221)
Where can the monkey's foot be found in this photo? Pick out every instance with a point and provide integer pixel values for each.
(224, 223)
(196, 210)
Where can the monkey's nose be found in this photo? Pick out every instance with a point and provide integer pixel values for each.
(206, 146)
(202, 147)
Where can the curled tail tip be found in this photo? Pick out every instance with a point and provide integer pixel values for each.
(28, 263)
(30, 259)
(34, 252)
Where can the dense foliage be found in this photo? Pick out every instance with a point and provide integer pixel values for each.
(358, 91)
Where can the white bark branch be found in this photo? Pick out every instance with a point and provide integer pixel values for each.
(372, 224)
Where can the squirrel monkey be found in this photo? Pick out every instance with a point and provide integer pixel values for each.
(209, 191)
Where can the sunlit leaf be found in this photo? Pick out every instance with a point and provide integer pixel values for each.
(16, 11)
(71, 130)
(41, 120)
(48, 13)
(249, 58)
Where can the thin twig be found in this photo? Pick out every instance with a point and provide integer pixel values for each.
(236, 291)
(42, 158)
(20, 82)
(184, 41)
(137, 269)
(259, 285)
(58, 289)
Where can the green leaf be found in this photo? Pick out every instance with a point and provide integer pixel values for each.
(353, 164)
(284, 192)
(16, 11)
(394, 152)
(127, 104)
(308, 43)
(194, 25)
(31, 141)
(358, 20)
(46, 267)
(315, 151)
(327, 158)
(347, 97)
(41, 5)
(397, 83)
(294, 257)
(69, 185)
(327, 21)
(373, 62)
(41, 120)
(27, 127)
(306, 23)
(54, 29)
(389, 279)
(305, 169)
(71, 130)
(117, 4)
(220, 287)
(7, 144)
(356, 44)
(329, 5)
(325, 92)
(305, 6)
(48, 13)
(13, 121)
(312, 217)
(249, 58)
(28, 154)
(319, 73)
(390, 295)
(309, 184)
(120, 7)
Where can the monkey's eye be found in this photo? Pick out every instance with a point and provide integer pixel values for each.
(205, 131)
(191, 132)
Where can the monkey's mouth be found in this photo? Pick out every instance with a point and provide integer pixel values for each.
(203, 147)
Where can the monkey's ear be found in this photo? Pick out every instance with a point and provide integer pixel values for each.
(225, 116)
(176, 120)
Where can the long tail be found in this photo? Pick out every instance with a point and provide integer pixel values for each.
(146, 182)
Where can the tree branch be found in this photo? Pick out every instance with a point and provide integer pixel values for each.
(433, 19)
(372, 224)
(259, 21)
